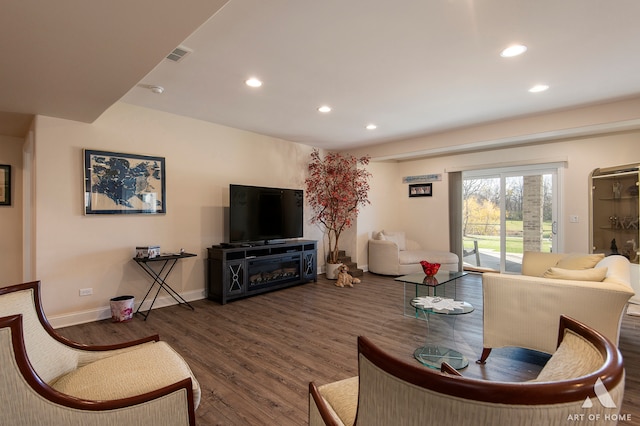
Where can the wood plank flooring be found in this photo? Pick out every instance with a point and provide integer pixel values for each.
(255, 357)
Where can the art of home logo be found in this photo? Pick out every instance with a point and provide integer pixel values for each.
(604, 399)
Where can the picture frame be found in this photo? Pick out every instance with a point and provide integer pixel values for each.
(420, 190)
(5, 185)
(118, 183)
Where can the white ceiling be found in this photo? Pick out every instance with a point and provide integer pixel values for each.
(411, 67)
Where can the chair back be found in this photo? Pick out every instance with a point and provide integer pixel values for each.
(49, 357)
(391, 389)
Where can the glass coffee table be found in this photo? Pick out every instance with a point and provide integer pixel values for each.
(420, 282)
(431, 354)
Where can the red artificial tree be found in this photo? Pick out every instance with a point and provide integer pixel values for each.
(335, 188)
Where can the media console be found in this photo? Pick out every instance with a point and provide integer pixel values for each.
(236, 272)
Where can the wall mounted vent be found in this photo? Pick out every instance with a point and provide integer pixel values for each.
(179, 53)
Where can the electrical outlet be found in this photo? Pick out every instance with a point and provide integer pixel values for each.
(86, 291)
(573, 218)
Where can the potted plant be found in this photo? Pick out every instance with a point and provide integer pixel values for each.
(336, 187)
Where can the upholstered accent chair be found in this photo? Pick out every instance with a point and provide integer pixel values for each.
(47, 379)
(584, 376)
(521, 310)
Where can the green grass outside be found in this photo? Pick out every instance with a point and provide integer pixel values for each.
(513, 244)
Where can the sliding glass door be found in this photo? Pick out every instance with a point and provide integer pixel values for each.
(506, 212)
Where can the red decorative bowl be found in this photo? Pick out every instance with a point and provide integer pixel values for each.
(430, 269)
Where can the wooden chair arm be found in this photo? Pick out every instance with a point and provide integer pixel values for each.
(34, 286)
(446, 368)
(14, 323)
(321, 404)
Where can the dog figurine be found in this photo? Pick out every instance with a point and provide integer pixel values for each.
(344, 278)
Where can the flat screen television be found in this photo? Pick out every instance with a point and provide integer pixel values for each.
(260, 214)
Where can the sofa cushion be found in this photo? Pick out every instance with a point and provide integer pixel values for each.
(579, 261)
(593, 274)
(342, 396)
(148, 368)
(535, 263)
(575, 357)
(410, 257)
(397, 237)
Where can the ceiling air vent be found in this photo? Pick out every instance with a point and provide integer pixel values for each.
(179, 53)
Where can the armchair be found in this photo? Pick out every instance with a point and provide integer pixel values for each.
(521, 310)
(47, 379)
(391, 253)
(391, 391)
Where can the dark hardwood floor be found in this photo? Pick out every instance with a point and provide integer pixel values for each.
(255, 357)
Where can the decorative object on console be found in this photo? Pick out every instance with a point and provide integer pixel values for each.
(336, 187)
(118, 183)
(147, 251)
(430, 269)
(344, 278)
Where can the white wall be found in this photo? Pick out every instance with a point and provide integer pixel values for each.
(11, 216)
(75, 251)
(426, 219)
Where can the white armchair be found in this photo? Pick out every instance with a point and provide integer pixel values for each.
(391, 253)
(47, 379)
(521, 310)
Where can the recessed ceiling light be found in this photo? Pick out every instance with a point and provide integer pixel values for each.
(324, 108)
(371, 126)
(253, 82)
(515, 50)
(539, 88)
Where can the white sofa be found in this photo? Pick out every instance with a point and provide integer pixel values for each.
(522, 310)
(391, 253)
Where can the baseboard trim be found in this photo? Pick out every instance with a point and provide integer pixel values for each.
(104, 312)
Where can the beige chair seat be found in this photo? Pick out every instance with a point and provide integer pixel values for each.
(584, 378)
(139, 371)
(48, 379)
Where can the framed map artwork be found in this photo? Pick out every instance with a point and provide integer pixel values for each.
(118, 183)
(5, 185)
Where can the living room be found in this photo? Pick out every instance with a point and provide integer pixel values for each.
(74, 251)
(47, 237)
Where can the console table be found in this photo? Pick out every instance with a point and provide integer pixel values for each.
(160, 278)
(240, 271)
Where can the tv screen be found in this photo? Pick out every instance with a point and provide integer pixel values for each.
(260, 214)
